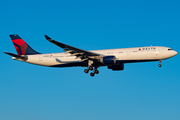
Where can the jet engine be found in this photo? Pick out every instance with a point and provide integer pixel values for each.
(116, 67)
(108, 60)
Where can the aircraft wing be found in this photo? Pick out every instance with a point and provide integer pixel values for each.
(79, 53)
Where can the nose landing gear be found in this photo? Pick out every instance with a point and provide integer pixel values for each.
(160, 61)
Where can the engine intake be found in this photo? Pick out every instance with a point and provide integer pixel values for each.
(108, 60)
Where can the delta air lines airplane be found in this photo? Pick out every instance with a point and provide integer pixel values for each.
(114, 59)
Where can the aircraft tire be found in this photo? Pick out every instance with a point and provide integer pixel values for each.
(86, 71)
(96, 72)
(90, 68)
(160, 65)
(92, 74)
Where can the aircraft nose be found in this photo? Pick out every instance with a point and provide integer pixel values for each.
(175, 53)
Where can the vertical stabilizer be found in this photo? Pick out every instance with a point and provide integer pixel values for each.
(21, 46)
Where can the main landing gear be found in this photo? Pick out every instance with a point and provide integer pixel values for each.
(160, 61)
(92, 73)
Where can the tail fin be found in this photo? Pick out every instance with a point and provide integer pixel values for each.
(21, 46)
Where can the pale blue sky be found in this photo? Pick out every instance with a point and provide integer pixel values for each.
(143, 91)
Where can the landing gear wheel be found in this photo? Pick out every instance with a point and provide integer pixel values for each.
(86, 71)
(160, 65)
(96, 71)
(160, 61)
(92, 74)
(90, 68)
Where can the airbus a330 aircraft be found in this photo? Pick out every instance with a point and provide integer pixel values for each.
(112, 58)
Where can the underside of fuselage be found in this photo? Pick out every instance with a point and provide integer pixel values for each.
(85, 64)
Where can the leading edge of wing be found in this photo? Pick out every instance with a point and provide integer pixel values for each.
(70, 48)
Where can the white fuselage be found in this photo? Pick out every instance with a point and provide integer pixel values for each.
(138, 54)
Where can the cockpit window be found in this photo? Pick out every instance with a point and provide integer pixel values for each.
(170, 49)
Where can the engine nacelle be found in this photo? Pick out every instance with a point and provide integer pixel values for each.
(116, 67)
(108, 60)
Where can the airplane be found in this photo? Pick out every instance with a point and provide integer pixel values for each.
(114, 59)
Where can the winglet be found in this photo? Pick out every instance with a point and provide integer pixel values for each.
(48, 38)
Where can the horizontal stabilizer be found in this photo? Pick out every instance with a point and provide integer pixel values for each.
(17, 56)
